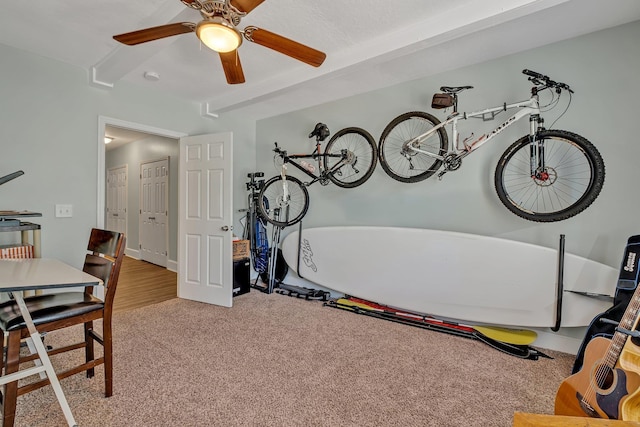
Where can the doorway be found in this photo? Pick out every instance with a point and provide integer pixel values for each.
(140, 132)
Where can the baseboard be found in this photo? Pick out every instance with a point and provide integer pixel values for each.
(133, 253)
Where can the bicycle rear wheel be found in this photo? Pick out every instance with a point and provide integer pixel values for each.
(403, 163)
(570, 181)
(353, 154)
(281, 210)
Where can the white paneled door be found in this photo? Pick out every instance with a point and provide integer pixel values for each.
(205, 219)
(154, 211)
(117, 199)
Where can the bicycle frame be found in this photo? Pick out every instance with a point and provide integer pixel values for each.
(529, 107)
(316, 155)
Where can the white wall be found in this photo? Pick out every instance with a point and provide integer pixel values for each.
(600, 67)
(49, 126)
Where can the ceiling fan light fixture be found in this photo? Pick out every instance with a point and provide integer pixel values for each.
(219, 35)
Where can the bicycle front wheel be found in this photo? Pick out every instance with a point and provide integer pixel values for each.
(399, 160)
(283, 202)
(350, 157)
(567, 181)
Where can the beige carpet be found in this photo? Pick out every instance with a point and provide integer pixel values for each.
(274, 360)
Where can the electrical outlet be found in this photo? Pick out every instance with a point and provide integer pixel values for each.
(64, 211)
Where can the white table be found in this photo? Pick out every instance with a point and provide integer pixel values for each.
(19, 275)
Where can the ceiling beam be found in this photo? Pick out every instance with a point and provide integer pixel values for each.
(468, 19)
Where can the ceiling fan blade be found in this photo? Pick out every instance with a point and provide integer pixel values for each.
(232, 67)
(155, 33)
(246, 6)
(285, 46)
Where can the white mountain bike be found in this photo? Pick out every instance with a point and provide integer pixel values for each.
(547, 175)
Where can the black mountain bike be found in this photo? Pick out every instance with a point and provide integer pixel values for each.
(348, 161)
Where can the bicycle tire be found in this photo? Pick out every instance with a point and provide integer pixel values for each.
(402, 163)
(275, 209)
(574, 177)
(362, 156)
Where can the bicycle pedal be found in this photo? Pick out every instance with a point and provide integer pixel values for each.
(441, 174)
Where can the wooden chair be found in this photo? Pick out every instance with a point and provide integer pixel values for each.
(62, 310)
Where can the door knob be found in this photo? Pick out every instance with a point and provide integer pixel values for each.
(227, 228)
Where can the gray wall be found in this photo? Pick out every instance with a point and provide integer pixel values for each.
(600, 67)
(49, 128)
(133, 154)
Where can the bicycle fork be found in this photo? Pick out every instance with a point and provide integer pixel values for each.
(539, 171)
(284, 203)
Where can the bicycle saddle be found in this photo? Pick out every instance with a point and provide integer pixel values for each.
(321, 132)
(454, 89)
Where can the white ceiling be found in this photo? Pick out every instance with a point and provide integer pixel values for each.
(369, 43)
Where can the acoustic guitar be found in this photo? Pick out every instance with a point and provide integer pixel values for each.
(608, 384)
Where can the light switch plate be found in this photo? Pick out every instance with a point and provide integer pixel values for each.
(64, 211)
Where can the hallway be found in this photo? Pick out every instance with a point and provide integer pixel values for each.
(142, 283)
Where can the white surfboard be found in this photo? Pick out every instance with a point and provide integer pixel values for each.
(452, 275)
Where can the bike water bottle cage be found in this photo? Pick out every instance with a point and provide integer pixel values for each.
(321, 132)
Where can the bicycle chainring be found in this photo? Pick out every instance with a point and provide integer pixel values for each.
(452, 162)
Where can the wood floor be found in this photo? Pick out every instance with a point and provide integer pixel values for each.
(142, 283)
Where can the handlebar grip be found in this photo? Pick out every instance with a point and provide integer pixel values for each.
(534, 74)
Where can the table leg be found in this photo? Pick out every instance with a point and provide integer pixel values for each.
(44, 358)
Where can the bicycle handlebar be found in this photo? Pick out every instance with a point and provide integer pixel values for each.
(278, 149)
(542, 80)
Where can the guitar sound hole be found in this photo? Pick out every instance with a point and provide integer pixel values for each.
(604, 377)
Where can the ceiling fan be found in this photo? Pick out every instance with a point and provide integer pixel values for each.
(218, 31)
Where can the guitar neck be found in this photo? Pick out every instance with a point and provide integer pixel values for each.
(628, 322)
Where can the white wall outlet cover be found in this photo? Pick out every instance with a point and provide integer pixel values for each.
(64, 211)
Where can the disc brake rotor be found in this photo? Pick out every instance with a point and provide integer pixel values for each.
(545, 178)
